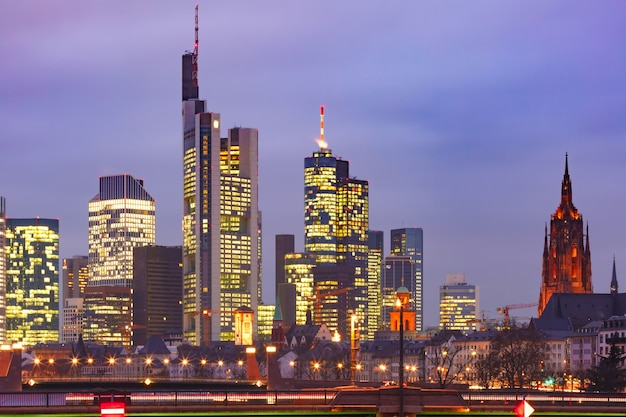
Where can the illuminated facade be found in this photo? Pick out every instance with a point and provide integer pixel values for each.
(336, 221)
(566, 266)
(221, 219)
(73, 314)
(75, 276)
(265, 318)
(374, 278)
(32, 280)
(299, 272)
(410, 242)
(458, 304)
(320, 205)
(398, 272)
(3, 306)
(121, 218)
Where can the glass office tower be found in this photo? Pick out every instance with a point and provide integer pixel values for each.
(374, 279)
(221, 219)
(458, 303)
(121, 217)
(410, 242)
(336, 221)
(32, 280)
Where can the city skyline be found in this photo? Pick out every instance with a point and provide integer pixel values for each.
(459, 119)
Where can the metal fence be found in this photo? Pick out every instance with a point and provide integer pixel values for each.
(169, 398)
(565, 399)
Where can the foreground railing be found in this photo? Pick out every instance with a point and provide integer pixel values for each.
(169, 398)
(565, 399)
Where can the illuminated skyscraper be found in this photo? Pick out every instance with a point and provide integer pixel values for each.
(32, 280)
(336, 221)
(410, 242)
(458, 304)
(221, 218)
(74, 281)
(320, 205)
(3, 305)
(75, 276)
(121, 217)
(566, 266)
(398, 272)
(374, 279)
(299, 272)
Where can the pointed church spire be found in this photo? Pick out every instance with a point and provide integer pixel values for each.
(614, 279)
(278, 310)
(566, 186)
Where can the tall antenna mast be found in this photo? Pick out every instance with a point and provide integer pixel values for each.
(194, 75)
(322, 142)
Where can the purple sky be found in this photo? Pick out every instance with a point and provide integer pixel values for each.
(459, 114)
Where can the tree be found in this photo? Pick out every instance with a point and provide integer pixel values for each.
(487, 369)
(446, 360)
(607, 375)
(519, 353)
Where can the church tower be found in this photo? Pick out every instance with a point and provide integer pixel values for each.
(566, 264)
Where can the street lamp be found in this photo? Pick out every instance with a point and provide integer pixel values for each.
(401, 370)
(354, 345)
(268, 351)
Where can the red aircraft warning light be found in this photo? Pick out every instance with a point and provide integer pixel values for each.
(112, 409)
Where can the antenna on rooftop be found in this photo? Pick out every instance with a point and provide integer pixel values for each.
(195, 53)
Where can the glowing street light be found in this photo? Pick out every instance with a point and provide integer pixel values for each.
(400, 296)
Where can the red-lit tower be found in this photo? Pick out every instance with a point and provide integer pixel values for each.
(566, 264)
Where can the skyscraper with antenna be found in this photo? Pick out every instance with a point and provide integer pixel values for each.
(221, 220)
(336, 222)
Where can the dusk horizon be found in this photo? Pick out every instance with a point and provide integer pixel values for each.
(459, 119)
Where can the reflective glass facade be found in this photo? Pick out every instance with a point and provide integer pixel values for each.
(32, 280)
(75, 276)
(458, 303)
(374, 279)
(121, 217)
(410, 242)
(320, 206)
(398, 272)
(336, 221)
(221, 224)
(299, 271)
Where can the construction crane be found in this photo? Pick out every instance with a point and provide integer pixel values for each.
(505, 311)
(206, 314)
(319, 296)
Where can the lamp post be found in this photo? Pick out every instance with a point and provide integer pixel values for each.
(354, 345)
(268, 351)
(401, 370)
